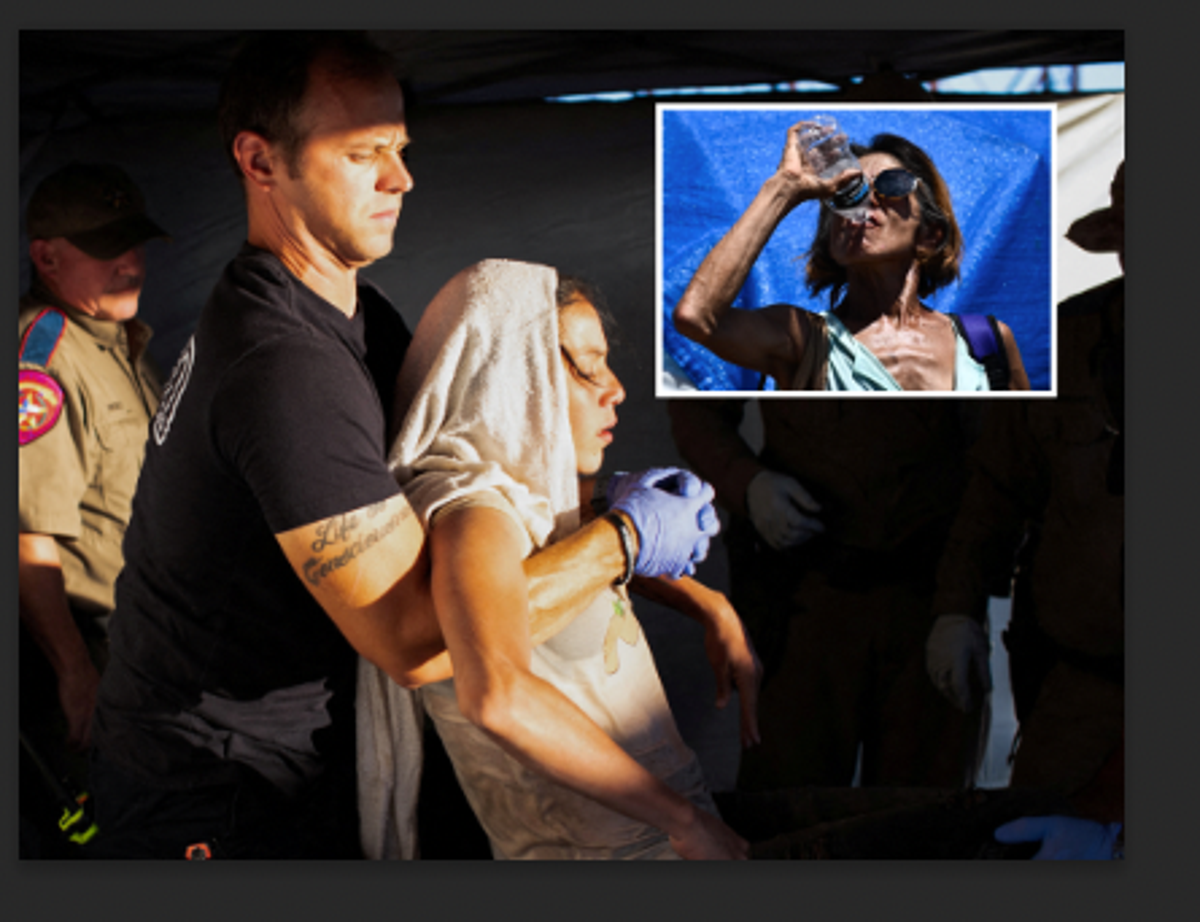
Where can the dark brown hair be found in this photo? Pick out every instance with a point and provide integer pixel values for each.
(575, 288)
(938, 268)
(265, 87)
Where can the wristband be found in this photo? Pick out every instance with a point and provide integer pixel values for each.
(626, 546)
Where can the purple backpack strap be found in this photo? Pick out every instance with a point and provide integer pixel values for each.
(983, 340)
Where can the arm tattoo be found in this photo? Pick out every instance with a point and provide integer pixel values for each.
(340, 540)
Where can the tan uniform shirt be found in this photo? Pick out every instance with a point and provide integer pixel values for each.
(77, 477)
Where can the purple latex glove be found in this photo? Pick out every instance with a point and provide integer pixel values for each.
(1063, 838)
(673, 513)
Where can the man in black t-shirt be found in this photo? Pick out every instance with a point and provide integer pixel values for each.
(269, 543)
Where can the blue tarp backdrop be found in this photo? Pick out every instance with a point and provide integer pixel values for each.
(996, 161)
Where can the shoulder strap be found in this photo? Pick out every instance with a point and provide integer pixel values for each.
(811, 372)
(982, 336)
(42, 337)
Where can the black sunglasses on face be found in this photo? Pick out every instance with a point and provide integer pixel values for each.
(895, 183)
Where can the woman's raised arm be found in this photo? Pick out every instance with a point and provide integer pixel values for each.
(766, 339)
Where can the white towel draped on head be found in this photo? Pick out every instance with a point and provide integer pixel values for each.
(487, 399)
(487, 409)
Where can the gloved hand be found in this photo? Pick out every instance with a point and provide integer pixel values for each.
(1063, 838)
(620, 483)
(956, 653)
(777, 504)
(673, 513)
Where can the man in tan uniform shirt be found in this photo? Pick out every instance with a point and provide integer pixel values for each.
(86, 397)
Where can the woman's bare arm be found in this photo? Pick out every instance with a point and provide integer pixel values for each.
(727, 644)
(481, 597)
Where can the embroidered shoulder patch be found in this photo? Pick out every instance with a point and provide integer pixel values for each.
(42, 337)
(39, 404)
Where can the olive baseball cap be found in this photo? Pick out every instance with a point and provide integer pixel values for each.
(96, 206)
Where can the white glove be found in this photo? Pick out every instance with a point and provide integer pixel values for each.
(956, 651)
(776, 503)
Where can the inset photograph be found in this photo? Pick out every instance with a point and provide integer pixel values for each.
(856, 250)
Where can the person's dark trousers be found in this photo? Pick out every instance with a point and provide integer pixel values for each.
(246, 819)
(48, 766)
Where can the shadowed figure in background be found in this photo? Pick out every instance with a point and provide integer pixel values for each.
(1047, 489)
(836, 529)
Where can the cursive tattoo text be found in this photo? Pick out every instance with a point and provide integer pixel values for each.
(342, 539)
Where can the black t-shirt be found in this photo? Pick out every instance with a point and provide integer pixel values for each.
(274, 417)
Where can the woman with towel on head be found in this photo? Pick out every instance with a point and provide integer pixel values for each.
(565, 747)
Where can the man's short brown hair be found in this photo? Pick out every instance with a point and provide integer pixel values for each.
(265, 87)
(938, 268)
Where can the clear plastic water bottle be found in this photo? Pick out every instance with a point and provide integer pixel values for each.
(828, 150)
